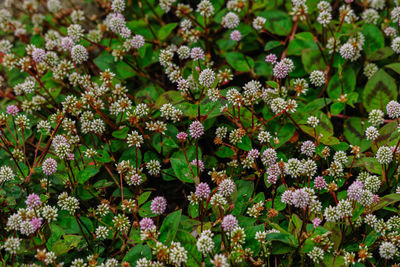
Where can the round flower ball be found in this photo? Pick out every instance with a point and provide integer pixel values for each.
(38, 55)
(79, 54)
(146, 224)
(12, 110)
(236, 36)
(317, 78)
(158, 205)
(49, 166)
(229, 223)
(137, 41)
(196, 129)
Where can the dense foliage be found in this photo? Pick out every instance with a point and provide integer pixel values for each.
(199, 133)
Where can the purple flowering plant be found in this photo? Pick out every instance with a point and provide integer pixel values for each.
(199, 133)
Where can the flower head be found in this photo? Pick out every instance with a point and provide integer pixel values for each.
(196, 129)
(158, 205)
(49, 166)
(229, 223)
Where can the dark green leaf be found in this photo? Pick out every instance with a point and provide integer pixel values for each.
(379, 90)
(170, 227)
(86, 174)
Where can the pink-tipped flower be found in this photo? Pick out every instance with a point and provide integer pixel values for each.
(227, 187)
(376, 198)
(269, 156)
(49, 166)
(38, 55)
(316, 222)
(196, 129)
(236, 36)
(158, 205)
(272, 179)
(281, 70)
(202, 190)
(229, 223)
(199, 163)
(12, 110)
(71, 156)
(137, 41)
(355, 190)
(301, 198)
(67, 43)
(36, 223)
(146, 224)
(136, 179)
(393, 109)
(271, 58)
(197, 53)
(33, 200)
(319, 182)
(79, 54)
(253, 154)
(287, 197)
(182, 136)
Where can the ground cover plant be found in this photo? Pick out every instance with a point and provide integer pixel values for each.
(199, 133)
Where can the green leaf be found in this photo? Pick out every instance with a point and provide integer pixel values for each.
(348, 82)
(143, 197)
(262, 68)
(371, 164)
(381, 53)
(283, 238)
(243, 194)
(103, 156)
(324, 127)
(315, 105)
(238, 61)
(224, 152)
(386, 201)
(285, 133)
(251, 242)
(278, 22)
(56, 233)
(121, 134)
(172, 97)
(137, 252)
(145, 210)
(245, 144)
(170, 227)
(336, 233)
(189, 243)
(388, 135)
(166, 30)
(66, 244)
(37, 40)
(271, 45)
(180, 165)
(373, 39)
(300, 42)
(379, 90)
(337, 107)
(86, 174)
(330, 260)
(394, 66)
(312, 60)
(147, 56)
(140, 27)
(106, 61)
(354, 131)
(130, 154)
(371, 238)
